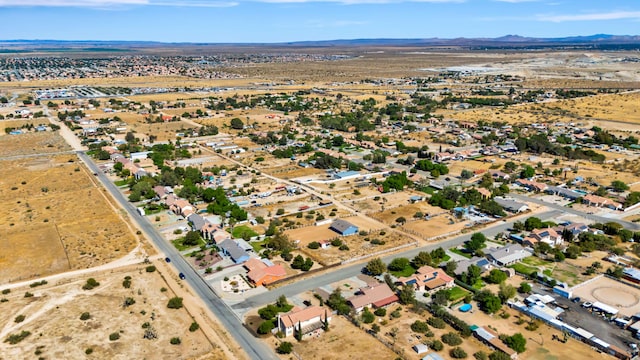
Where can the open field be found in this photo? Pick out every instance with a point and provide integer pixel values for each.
(52, 316)
(54, 215)
(623, 297)
(32, 143)
(343, 341)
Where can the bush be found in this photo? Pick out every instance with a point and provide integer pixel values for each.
(194, 326)
(89, 351)
(16, 338)
(343, 247)
(114, 336)
(368, 317)
(91, 283)
(28, 294)
(419, 326)
(85, 316)
(314, 245)
(175, 303)
(380, 312)
(457, 353)
(451, 339)
(436, 345)
(19, 318)
(436, 322)
(6, 291)
(285, 348)
(175, 341)
(480, 355)
(150, 268)
(266, 327)
(127, 282)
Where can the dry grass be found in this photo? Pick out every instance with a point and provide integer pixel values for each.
(55, 215)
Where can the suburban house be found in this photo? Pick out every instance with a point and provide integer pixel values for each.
(304, 321)
(532, 185)
(492, 340)
(374, 296)
(499, 175)
(510, 205)
(599, 201)
(182, 207)
(208, 230)
(197, 222)
(429, 279)
(507, 255)
(486, 193)
(463, 265)
(235, 252)
(564, 192)
(263, 271)
(343, 227)
(574, 228)
(546, 235)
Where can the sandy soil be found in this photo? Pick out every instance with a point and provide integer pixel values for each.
(52, 315)
(623, 297)
(49, 210)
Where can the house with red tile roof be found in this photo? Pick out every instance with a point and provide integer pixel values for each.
(305, 321)
(599, 201)
(373, 296)
(263, 271)
(429, 279)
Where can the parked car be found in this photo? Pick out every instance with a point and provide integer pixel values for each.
(167, 259)
(576, 299)
(586, 304)
(182, 277)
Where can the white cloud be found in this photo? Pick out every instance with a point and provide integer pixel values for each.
(616, 15)
(105, 4)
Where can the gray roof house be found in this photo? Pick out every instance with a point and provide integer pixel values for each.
(480, 262)
(510, 205)
(197, 222)
(343, 227)
(507, 255)
(231, 248)
(564, 192)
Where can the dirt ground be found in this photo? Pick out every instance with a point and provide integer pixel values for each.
(342, 341)
(55, 216)
(623, 297)
(540, 345)
(31, 143)
(52, 316)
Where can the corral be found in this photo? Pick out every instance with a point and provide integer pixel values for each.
(623, 297)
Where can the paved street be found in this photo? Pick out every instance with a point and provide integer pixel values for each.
(233, 324)
(353, 270)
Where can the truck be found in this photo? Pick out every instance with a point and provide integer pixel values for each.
(303, 207)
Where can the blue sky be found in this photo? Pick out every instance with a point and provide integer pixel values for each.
(298, 20)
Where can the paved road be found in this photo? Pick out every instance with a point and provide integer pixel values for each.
(233, 324)
(601, 219)
(353, 270)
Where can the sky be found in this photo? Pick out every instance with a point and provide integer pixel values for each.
(272, 21)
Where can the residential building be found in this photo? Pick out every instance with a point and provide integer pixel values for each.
(510, 205)
(235, 252)
(263, 271)
(532, 185)
(428, 279)
(507, 255)
(480, 262)
(599, 201)
(546, 235)
(564, 192)
(374, 296)
(305, 321)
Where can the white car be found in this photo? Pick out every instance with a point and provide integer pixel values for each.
(586, 304)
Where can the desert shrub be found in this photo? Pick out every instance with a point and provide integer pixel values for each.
(368, 317)
(314, 245)
(28, 294)
(175, 303)
(150, 268)
(194, 326)
(127, 282)
(175, 341)
(266, 327)
(380, 312)
(6, 291)
(16, 338)
(19, 318)
(451, 339)
(91, 283)
(85, 316)
(89, 351)
(285, 348)
(436, 322)
(114, 336)
(436, 345)
(419, 326)
(457, 353)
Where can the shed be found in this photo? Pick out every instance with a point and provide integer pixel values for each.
(344, 227)
(420, 348)
(605, 308)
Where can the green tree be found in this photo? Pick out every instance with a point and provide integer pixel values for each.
(506, 292)
(524, 288)
(496, 276)
(192, 238)
(407, 295)
(457, 353)
(175, 303)
(285, 347)
(517, 342)
(423, 258)
(476, 242)
(237, 124)
(398, 264)
(619, 186)
(376, 267)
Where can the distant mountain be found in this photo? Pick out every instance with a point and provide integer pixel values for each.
(503, 41)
